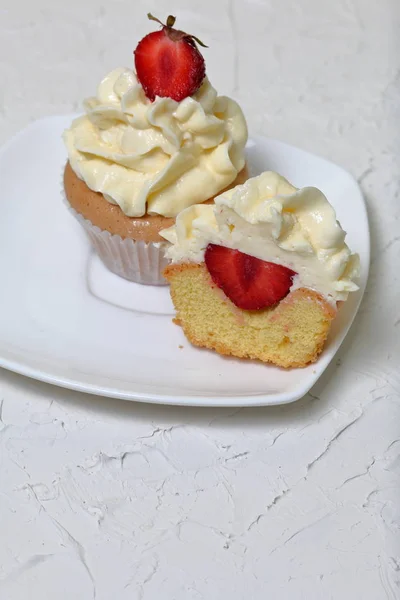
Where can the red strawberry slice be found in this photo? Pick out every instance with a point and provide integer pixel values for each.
(168, 63)
(249, 282)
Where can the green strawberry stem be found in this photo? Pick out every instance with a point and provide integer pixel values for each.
(169, 25)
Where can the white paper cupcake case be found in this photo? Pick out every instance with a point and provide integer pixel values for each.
(141, 262)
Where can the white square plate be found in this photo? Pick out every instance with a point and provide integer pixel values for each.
(66, 320)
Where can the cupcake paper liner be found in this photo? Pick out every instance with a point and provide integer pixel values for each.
(138, 261)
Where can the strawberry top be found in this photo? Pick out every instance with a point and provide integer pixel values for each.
(168, 62)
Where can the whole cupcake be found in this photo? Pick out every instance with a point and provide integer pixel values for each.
(151, 144)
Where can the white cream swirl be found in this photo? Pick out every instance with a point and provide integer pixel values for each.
(270, 219)
(157, 157)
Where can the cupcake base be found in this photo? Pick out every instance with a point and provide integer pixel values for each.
(129, 247)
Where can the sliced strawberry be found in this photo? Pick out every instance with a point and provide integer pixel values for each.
(249, 282)
(168, 63)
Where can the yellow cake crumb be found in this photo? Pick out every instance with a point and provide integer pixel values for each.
(289, 334)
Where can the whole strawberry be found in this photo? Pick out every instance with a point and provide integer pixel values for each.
(168, 63)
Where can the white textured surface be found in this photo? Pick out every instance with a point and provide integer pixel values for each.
(104, 499)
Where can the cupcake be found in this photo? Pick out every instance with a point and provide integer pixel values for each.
(151, 144)
(261, 273)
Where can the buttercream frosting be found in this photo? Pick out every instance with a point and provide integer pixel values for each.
(156, 157)
(270, 219)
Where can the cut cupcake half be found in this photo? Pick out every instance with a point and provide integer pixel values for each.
(260, 273)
